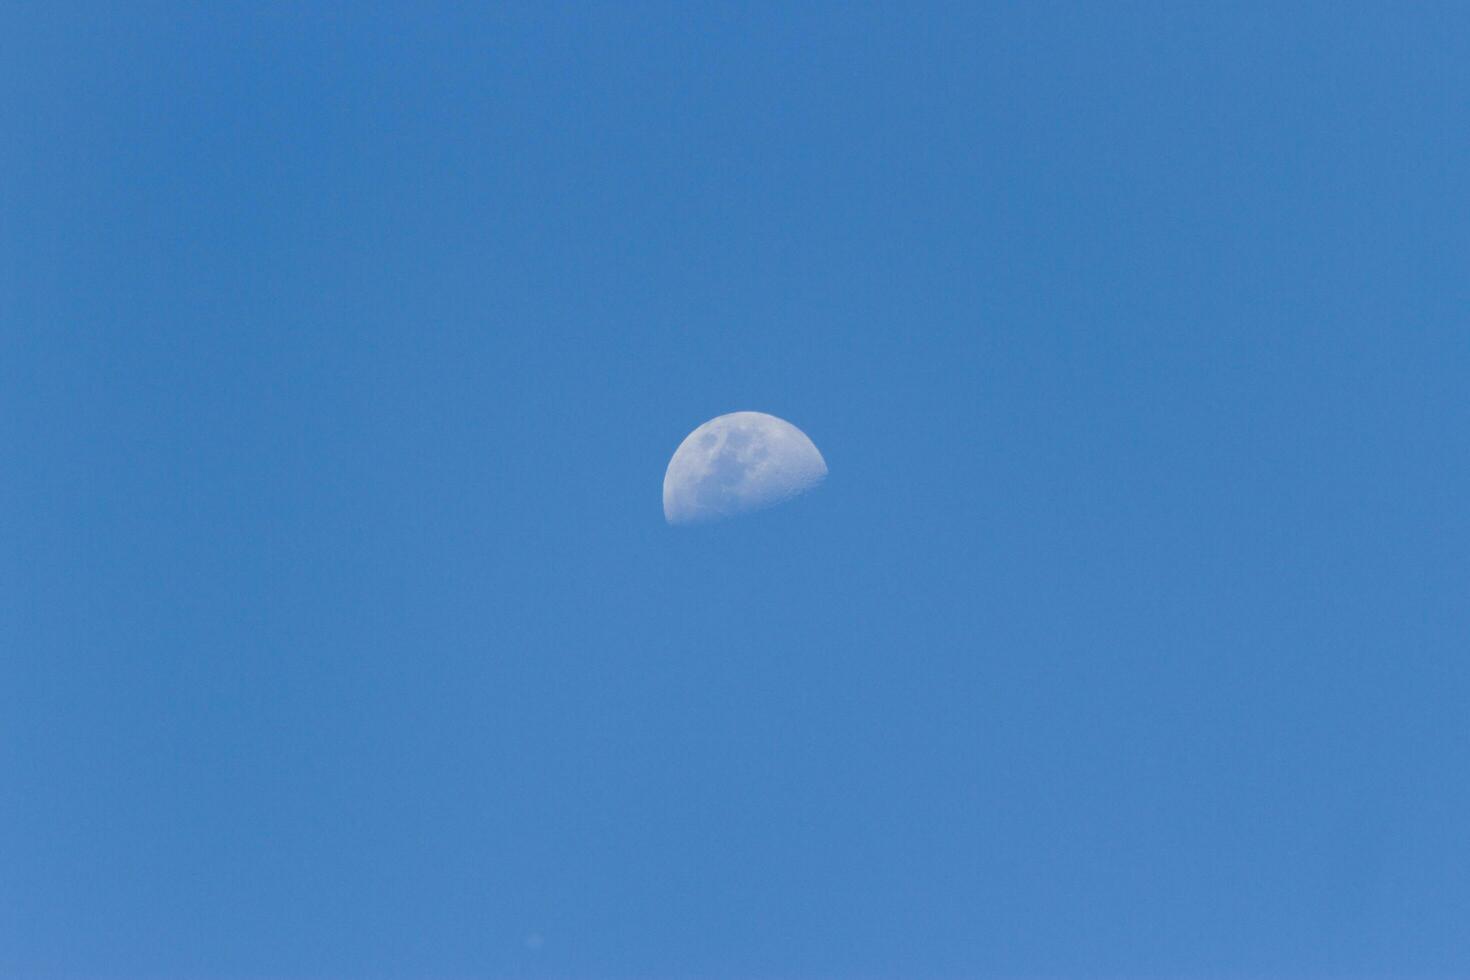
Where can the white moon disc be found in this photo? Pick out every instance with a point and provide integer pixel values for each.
(736, 463)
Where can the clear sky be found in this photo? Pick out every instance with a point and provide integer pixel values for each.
(342, 350)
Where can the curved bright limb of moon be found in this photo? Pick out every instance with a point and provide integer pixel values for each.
(737, 463)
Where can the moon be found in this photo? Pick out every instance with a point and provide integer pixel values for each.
(738, 463)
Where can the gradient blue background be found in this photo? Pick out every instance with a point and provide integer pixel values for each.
(341, 353)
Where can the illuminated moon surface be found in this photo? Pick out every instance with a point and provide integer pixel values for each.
(738, 463)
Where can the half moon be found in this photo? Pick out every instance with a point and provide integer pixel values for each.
(737, 463)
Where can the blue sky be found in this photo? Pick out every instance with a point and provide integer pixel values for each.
(342, 349)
